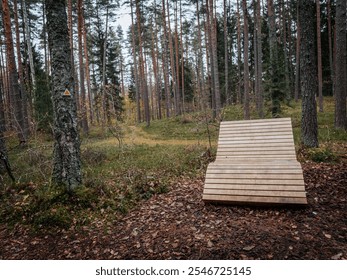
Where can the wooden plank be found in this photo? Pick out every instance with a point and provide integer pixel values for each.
(261, 164)
(258, 131)
(226, 170)
(271, 127)
(251, 143)
(258, 121)
(257, 137)
(268, 176)
(256, 157)
(272, 193)
(255, 181)
(254, 199)
(255, 187)
(255, 152)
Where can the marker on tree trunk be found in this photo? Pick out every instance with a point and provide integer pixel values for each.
(67, 93)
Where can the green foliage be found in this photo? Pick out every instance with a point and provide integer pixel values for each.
(322, 155)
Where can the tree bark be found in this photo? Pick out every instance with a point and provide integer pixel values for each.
(136, 72)
(226, 56)
(143, 80)
(341, 79)
(331, 64)
(238, 92)
(246, 109)
(308, 73)
(84, 120)
(259, 62)
(16, 97)
(66, 153)
(297, 58)
(319, 58)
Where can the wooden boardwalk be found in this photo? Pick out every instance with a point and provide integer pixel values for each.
(255, 164)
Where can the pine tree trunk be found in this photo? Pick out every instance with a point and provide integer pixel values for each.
(297, 58)
(238, 92)
(177, 52)
(226, 56)
(66, 153)
(274, 68)
(246, 109)
(340, 71)
(172, 60)
(137, 80)
(308, 73)
(214, 64)
(143, 80)
(319, 59)
(86, 56)
(84, 120)
(259, 62)
(16, 98)
(331, 64)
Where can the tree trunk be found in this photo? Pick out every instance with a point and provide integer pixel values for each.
(143, 80)
(319, 59)
(84, 120)
(274, 68)
(30, 51)
(66, 153)
(165, 62)
(86, 56)
(20, 67)
(259, 62)
(246, 109)
(308, 73)
(238, 92)
(4, 161)
(331, 64)
(172, 60)
(214, 65)
(297, 58)
(226, 56)
(341, 79)
(177, 52)
(16, 97)
(137, 80)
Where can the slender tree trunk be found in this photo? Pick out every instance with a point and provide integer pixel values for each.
(165, 62)
(16, 97)
(297, 58)
(259, 62)
(20, 68)
(285, 51)
(214, 65)
(274, 68)
(226, 56)
(4, 161)
(177, 52)
(30, 51)
(143, 80)
(238, 93)
(80, 32)
(319, 59)
(86, 56)
(71, 42)
(172, 60)
(331, 64)
(341, 55)
(66, 153)
(245, 63)
(201, 63)
(308, 72)
(137, 80)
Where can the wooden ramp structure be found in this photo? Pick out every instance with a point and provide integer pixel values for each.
(255, 164)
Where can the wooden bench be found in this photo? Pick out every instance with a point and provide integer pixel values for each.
(256, 164)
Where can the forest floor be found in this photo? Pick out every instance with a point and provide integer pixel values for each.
(178, 225)
(143, 200)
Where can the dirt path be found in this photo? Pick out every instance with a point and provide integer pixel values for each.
(178, 225)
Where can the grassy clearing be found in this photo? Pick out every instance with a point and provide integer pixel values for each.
(141, 162)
